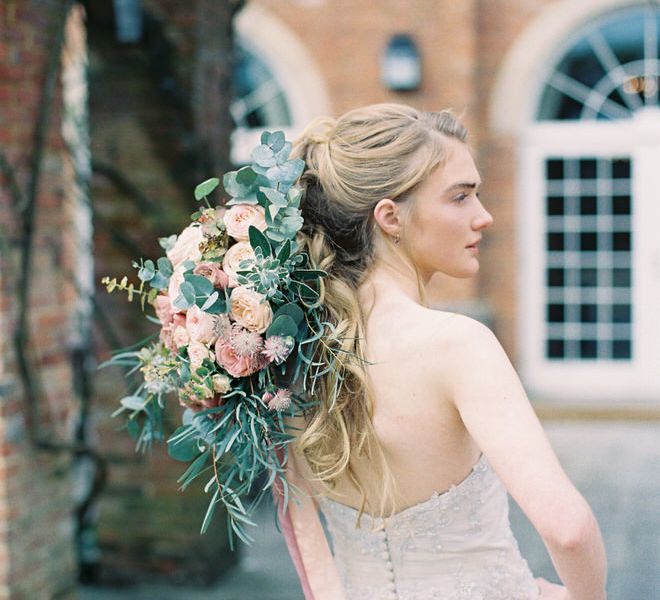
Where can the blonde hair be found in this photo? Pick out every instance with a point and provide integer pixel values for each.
(378, 151)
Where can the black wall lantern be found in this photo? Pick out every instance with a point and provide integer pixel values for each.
(128, 20)
(401, 64)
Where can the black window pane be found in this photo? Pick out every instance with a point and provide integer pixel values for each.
(555, 205)
(555, 313)
(555, 277)
(555, 242)
(555, 348)
(621, 169)
(587, 168)
(621, 241)
(554, 168)
(621, 313)
(621, 349)
(588, 277)
(588, 313)
(588, 348)
(588, 205)
(621, 205)
(621, 277)
(588, 241)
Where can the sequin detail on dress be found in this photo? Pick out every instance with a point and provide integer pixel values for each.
(457, 545)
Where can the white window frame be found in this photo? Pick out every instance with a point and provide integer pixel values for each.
(587, 381)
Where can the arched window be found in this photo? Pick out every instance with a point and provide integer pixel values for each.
(610, 70)
(277, 82)
(260, 100)
(589, 175)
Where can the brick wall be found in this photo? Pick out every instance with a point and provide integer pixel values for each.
(142, 131)
(37, 558)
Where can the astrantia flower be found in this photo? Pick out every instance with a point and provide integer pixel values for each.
(281, 400)
(246, 343)
(277, 348)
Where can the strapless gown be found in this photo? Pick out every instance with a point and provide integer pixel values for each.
(456, 545)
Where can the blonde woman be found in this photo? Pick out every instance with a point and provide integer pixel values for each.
(410, 456)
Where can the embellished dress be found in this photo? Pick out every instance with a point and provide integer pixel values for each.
(456, 545)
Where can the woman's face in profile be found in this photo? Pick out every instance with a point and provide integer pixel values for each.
(447, 219)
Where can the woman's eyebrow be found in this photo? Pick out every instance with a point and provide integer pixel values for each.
(462, 185)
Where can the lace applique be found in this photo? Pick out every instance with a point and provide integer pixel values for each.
(457, 545)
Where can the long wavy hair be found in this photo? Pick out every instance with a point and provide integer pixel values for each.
(352, 162)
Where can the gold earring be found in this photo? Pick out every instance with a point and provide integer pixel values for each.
(397, 238)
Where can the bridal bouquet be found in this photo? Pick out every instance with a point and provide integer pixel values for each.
(237, 303)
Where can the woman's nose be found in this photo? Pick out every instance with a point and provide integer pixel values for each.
(484, 218)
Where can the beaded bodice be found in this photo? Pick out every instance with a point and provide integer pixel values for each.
(456, 545)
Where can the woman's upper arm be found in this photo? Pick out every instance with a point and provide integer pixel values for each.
(496, 412)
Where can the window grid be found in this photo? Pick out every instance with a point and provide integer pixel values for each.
(588, 309)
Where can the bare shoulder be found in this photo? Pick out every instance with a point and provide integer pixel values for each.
(459, 333)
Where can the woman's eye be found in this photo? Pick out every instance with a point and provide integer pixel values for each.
(460, 197)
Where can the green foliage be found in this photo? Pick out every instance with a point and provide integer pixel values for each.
(205, 188)
(237, 440)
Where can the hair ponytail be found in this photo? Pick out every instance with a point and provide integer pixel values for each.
(379, 151)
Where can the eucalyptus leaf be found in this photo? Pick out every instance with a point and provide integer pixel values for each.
(159, 281)
(263, 156)
(291, 310)
(147, 272)
(276, 141)
(206, 187)
(167, 243)
(284, 326)
(182, 447)
(246, 176)
(210, 300)
(274, 197)
(165, 266)
(201, 286)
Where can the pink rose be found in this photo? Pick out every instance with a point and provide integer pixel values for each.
(213, 272)
(235, 365)
(250, 309)
(167, 331)
(201, 326)
(231, 263)
(197, 353)
(239, 218)
(186, 246)
(163, 308)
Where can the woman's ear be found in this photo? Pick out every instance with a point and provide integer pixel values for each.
(387, 215)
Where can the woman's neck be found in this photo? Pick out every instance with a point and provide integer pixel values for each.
(391, 282)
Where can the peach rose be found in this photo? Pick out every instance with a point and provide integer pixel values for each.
(197, 353)
(235, 255)
(250, 309)
(180, 337)
(186, 246)
(201, 326)
(213, 272)
(239, 218)
(236, 366)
